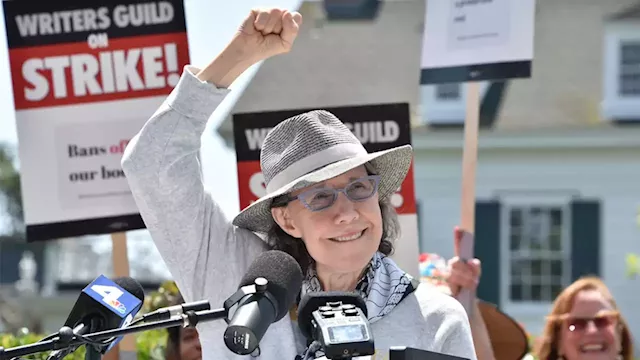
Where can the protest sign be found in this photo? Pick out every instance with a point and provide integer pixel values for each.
(472, 41)
(86, 76)
(476, 40)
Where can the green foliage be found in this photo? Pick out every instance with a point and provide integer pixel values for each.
(633, 260)
(10, 191)
(150, 344)
(26, 338)
(164, 296)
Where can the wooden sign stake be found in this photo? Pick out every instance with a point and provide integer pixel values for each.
(126, 349)
(468, 199)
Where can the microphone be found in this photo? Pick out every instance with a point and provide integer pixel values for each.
(266, 293)
(337, 323)
(102, 305)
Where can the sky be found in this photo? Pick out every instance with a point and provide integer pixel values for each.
(210, 25)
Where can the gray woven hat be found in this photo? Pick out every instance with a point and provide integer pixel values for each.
(314, 147)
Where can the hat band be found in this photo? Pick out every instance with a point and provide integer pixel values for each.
(313, 162)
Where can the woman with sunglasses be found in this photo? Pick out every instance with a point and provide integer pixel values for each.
(327, 205)
(585, 324)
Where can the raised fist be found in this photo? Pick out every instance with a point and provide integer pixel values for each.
(267, 32)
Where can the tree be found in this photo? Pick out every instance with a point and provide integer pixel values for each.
(10, 194)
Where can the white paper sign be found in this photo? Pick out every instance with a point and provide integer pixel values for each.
(469, 28)
(464, 33)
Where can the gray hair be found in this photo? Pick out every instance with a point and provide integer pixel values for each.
(281, 240)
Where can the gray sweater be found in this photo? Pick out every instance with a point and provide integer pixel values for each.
(208, 256)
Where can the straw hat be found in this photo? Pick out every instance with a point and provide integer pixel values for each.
(314, 147)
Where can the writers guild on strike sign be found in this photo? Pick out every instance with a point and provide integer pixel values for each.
(86, 76)
(52, 79)
(96, 19)
(107, 52)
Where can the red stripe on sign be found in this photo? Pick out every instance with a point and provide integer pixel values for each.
(405, 200)
(114, 69)
(250, 182)
(251, 187)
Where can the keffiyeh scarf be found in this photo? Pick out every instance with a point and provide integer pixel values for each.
(383, 286)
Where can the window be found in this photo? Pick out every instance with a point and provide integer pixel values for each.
(629, 82)
(621, 72)
(448, 91)
(445, 104)
(538, 252)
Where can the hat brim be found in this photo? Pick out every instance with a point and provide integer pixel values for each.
(391, 165)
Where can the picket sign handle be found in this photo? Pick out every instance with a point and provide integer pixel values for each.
(468, 196)
(126, 349)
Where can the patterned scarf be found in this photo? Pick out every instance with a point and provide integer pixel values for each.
(383, 286)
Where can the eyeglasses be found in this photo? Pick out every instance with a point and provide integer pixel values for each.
(357, 191)
(600, 321)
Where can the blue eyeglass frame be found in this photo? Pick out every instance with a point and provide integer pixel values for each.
(336, 192)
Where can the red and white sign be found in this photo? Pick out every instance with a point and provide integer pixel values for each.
(378, 127)
(86, 77)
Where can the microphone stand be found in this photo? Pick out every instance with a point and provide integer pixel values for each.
(92, 353)
(188, 319)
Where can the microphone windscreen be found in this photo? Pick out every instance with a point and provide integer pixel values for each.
(311, 301)
(132, 286)
(283, 274)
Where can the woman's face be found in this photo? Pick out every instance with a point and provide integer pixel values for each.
(343, 237)
(590, 331)
(190, 345)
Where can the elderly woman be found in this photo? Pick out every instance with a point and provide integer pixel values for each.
(327, 206)
(585, 324)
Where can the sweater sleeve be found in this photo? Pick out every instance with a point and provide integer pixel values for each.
(454, 334)
(205, 253)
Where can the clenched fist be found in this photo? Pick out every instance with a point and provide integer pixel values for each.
(267, 32)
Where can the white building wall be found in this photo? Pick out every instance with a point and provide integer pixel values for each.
(612, 176)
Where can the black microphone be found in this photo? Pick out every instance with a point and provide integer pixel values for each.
(337, 323)
(272, 284)
(103, 305)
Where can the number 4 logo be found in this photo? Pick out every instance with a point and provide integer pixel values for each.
(109, 293)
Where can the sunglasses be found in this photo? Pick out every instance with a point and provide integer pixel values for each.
(600, 321)
(322, 198)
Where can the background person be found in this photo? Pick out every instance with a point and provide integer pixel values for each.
(182, 343)
(495, 334)
(585, 324)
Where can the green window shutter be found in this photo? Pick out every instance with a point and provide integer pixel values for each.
(487, 249)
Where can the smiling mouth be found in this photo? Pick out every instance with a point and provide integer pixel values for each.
(351, 237)
(593, 348)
